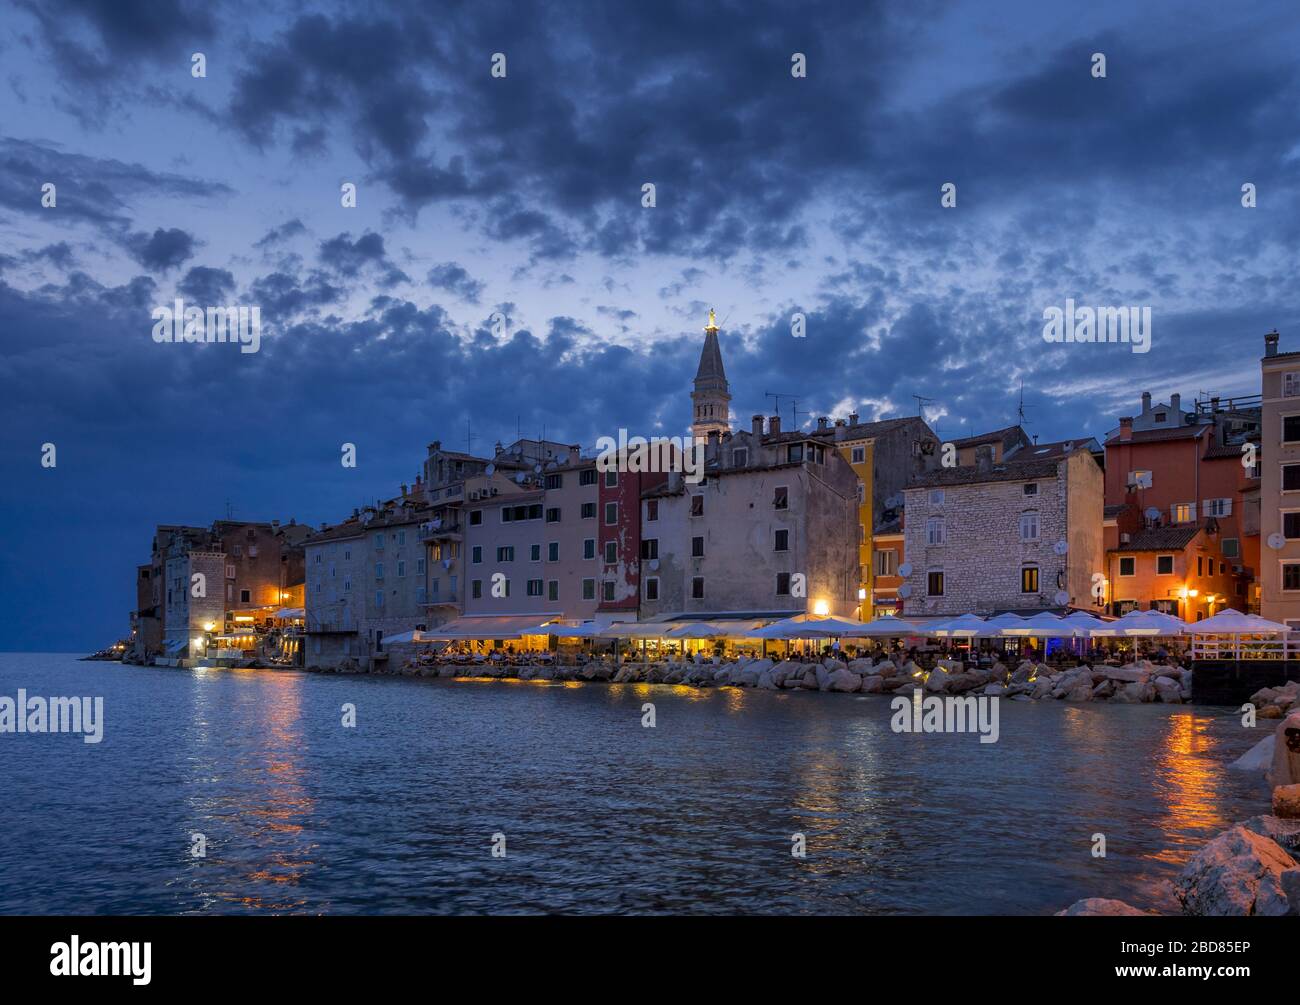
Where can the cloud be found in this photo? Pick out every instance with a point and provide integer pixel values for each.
(454, 279)
(163, 249)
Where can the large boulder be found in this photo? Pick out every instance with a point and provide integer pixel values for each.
(860, 666)
(1081, 691)
(962, 682)
(1286, 802)
(886, 668)
(766, 681)
(1168, 690)
(1099, 907)
(873, 684)
(844, 680)
(1239, 873)
(1128, 674)
(937, 680)
(823, 678)
(1043, 687)
(1285, 832)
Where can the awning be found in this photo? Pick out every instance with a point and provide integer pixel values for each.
(290, 612)
(175, 645)
(490, 627)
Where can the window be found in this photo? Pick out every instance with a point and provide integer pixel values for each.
(934, 583)
(589, 548)
(553, 590)
(554, 482)
(1291, 477)
(1031, 488)
(650, 548)
(588, 511)
(588, 589)
(611, 552)
(697, 547)
(739, 457)
(1164, 565)
(475, 517)
(697, 588)
(401, 537)
(1231, 547)
(553, 515)
(1290, 428)
(587, 476)
(608, 590)
(887, 563)
(1029, 579)
(1291, 384)
(231, 571)
(236, 550)
(379, 598)
(651, 510)
(794, 453)
(1161, 416)
(553, 551)
(1200, 565)
(783, 584)
(245, 596)
(1182, 512)
(1291, 575)
(534, 553)
(379, 570)
(858, 455)
(379, 541)
(506, 553)
(1218, 507)
(401, 568)
(534, 588)
(782, 541)
(1029, 526)
(611, 479)
(419, 567)
(1291, 525)
(476, 588)
(934, 530)
(936, 497)
(611, 514)
(476, 554)
(652, 588)
(1127, 565)
(862, 533)
(781, 499)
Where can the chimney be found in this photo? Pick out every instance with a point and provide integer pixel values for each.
(841, 429)
(1174, 401)
(1270, 343)
(575, 452)
(756, 426)
(823, 422)
(674, 481)
(435, 446)
(984, 457)
(1126, 427)
(1146, 402)
(774, 424)
(404, 493)
(853, 418)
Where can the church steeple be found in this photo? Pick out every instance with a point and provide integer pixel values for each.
(711, 400)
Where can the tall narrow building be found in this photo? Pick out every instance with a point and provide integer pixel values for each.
(711, 399)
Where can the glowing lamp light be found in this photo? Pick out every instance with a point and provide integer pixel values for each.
(862, 593)
(208, 626)
(821, 608)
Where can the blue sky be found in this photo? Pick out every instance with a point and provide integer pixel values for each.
(522, 195)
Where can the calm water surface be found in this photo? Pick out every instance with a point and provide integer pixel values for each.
(600, 814)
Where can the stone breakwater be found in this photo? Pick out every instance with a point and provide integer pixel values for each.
(1142, 681)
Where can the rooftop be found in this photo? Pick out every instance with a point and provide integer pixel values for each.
(1009, 471)
(1161, 539)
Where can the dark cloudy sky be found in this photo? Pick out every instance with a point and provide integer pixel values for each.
(522, 196)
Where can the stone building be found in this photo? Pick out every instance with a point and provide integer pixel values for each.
(771, 530)
(1013, 536)
(1279, 492)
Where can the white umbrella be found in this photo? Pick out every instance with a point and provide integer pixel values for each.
(964, 626)
(1042, 626)
(636, 630)
(1007, 620)
(1232, 622)
(884, 626)
(413, 636)
(1145, 623)
(563, 631)
(832, 625)
(692, 630)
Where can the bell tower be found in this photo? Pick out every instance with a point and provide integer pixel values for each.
(710, 401)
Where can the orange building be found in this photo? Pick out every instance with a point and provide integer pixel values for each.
(1177, 570)
(1183, 469)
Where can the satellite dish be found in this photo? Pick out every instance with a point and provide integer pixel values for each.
(491, 469)
(905, 569)
(893, 502)
(1062, 598)
(1061, 547)
(446, 563)
(904, 591)
(537, 469)
(654, 565)
(521, 478)
(1276, 541)
(1151, 513)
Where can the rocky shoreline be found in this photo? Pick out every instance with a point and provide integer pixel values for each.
(1142, 681)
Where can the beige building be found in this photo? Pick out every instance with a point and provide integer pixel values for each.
(1014, 536)
(1279, 493)
(772, 529)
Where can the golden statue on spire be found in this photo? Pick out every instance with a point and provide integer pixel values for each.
(712, 326)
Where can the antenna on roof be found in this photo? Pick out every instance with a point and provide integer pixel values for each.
(921, 402)
(795, 411)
